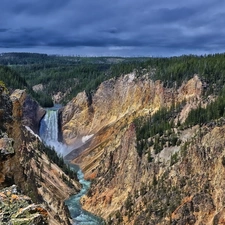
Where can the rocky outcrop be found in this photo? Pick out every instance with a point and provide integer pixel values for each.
(23, 162)
(192, 88)
(28, 109)
(76, 116)
(6, 146)
(116, 98)
(38, 87)
(19, 209)
(58, 97)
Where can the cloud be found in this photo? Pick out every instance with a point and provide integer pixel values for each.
(2, 30)
(126, 27)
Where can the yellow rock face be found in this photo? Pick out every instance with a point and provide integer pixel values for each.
(116, 99)
(110, 156)
(120, 99)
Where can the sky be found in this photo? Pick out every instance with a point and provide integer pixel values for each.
(113, 27)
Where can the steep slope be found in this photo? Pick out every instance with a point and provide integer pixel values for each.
(25, 163)
(113, 99)
(123, 181)
(30, 110)
(92, 121)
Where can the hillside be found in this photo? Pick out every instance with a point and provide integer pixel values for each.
(13, 80)
(148, 132)
(153, 148)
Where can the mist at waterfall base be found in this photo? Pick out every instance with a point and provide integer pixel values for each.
(49, 135)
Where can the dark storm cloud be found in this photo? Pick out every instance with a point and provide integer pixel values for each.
(114, 27)
(3, 30)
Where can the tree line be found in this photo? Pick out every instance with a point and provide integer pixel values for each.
(13, 80)
(71, 75)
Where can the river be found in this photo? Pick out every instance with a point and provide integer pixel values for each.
(49, 135)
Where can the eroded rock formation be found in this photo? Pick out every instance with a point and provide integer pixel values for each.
(181, 184)
(116, 103)
(127, 96)
(27, 109)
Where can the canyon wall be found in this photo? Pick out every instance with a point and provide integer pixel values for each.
(30, 111)
(116, 98)
(126, 187)
(25, 163)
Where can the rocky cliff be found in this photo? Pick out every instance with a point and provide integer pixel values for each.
(180, 184)
(113, 100)
(91, 122)
(25, 163)
(30, 110)
(127, 96)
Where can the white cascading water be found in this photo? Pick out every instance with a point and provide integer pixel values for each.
(49, 127)
(49, 135)
(49, 132)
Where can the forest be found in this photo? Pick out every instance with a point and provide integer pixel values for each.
(66, 74)
(72, 74)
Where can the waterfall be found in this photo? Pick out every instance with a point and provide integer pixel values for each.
(49, 132)
(49, 126)
(49, 135)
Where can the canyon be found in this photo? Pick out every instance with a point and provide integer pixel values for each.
(178, 185)
(182, 183)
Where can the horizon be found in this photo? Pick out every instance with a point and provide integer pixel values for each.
(109, 56)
